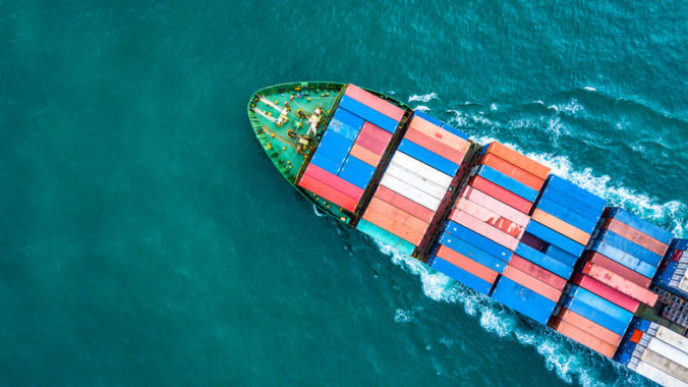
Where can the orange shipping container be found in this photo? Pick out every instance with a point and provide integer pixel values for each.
(441, 135)
(490, 218)
(591, 327)
(485, 229)
(518, 159)
(513, 171)
(635, 236)
(467, 264)
(582, 337)
(397, 214)
(434, 145)
(636, 336)
(397, 228)
(538, 272)
(404, 203)
(620, 284)
(561, 227)
(365, 155)
(531, 283)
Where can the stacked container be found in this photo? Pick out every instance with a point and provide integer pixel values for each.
(489, 218)
(351, 148)
(655, 352)
(675, 306)
(415, 182)
(672, 272)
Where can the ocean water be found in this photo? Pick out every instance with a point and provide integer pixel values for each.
(146, 239)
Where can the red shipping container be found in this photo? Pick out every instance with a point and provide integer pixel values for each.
(619, 269)
(328, 193)
(513, 171)
(531, 283)
(487, 201)
(677, 255)
(372, 101)
(518, 159)
(434, 145)
(538, 272)
(589, 326)
(333, 181)
(621, 284)
(367, 156)
(441, 135)
(485, 229)
(376, 132)
(501, 194)
(398, 228)
(397, 214)
(582, 337)
(490, 217)
(636, 336)
(404, 203)
(467, 264)
(635, 236)
(606, 292)
(372, 144)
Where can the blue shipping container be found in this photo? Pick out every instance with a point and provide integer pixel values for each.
(428, 157)
(552, 237)
(577, 193)
(543, 260)
(681, 244)
(561, 255)
(350, 119)
(466, 278)
(560, 211)
(508, 183)
(623, 258)
(523, 300)
(571, 202)
(643, 226)
(611, 309)
(595, 315)
(319, 159)
(369, 114)
(334, 146)
(356, 172)
(477, 240)
(472, 252)
(625, 245)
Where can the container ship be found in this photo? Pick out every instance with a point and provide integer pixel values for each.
(487, 216)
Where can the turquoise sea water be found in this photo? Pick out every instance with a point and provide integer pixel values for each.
(147, 240)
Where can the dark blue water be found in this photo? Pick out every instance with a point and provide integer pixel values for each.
(146, 239)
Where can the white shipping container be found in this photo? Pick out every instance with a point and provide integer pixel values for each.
(658, 376)
(667, 365)
(422, 169)
(408, 191)
(416, 180)
(668, 336)
(668, 351)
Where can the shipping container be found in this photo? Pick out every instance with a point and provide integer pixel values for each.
(589, 326)
(568, 215)
(371, 100)
(346, 124)
(495, 205)
(597, 316)
(434, 145)
(606, 292)
(561, 226)
(561, 255)
(635, 236)
(334, 182)
(417, 180)
(369, 114)
(409, 191)
(437, 122)
(668, 351)
(489, 217)
(422, 169)
(669, 366)
(599, 259)
(523, 300)
(406, 204)
(623, 244)
(639, 224)
(397, 214)
(621, 284)
(485, 229)
(541, 259)
(538, 272)
(365, 155)
(461, 261)
(385, 237)
(328, 193)
(356, 172)
(462, 276)
(619, 256)
(434, 131)
(609, 308)
(472, 252)
(501, 194)
(552, 237)
(474, 238)
(668, 336)
(577, 193)
(518, 159)
(572, 202)
(396, 227)
(321, 160)
(658, 376)
(508, 183)
(428, 157)
(583, 337)
(524, 177)
(531, 283)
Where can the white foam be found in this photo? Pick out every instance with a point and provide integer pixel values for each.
(493, 107)
(422, 108)
(422, 97)
(589, 88)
